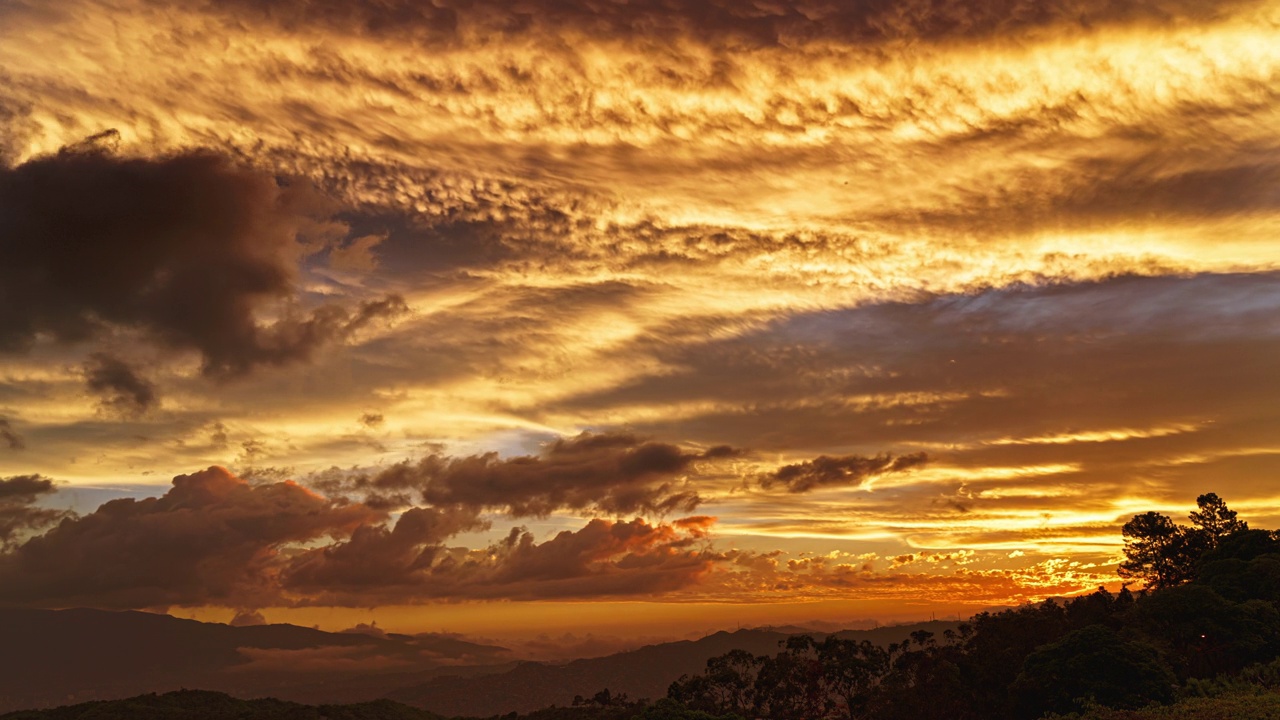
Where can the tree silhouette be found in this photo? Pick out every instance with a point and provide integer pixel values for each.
(1162, 553)
(1215, 520)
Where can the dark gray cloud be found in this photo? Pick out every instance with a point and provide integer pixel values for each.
(1028, 398)
(10, 436)
(18, 511)
(1019, 361)
(188, 248)
(848, 470)
(612, 473)
(121, 388)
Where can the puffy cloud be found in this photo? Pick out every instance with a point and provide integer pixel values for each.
(211, 539)
(189, 249)
(603, 559)
(215, 539)
(376, 557)
(609, 472)
(849, 470)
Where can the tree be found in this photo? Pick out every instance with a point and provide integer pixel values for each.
(790, 685)
(727, 686)
(1163, 553)
(1158, 551)
(1091, 665)
(1215, 520)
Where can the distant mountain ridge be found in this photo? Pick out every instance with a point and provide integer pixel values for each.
(646, 672)
(59, 657)
(55, 657)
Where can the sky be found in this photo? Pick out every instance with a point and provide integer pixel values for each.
(639, 317)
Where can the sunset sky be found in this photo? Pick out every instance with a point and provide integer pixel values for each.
(636, 317)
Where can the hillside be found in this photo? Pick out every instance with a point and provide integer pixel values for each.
(1240, 706)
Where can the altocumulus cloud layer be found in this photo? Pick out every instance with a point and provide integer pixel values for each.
(680, 300)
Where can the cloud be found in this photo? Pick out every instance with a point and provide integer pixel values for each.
(608, 472)
(189, 249)
(603, 559)
(247, 618)
(816, 229)
(720, 22)
(849, 470)
(215, 539)
(376, 557)
(357, 255)
(18, 513)
(211, 539)
(121, 388)
(345, 659)
(10, 437)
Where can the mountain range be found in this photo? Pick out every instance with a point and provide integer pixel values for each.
(58, 657)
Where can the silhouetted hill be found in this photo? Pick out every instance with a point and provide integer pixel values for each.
(204, 705)
(52, 657)
(642, 673)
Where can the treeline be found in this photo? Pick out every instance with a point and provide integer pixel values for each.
(1208, 610)
(1201, 631)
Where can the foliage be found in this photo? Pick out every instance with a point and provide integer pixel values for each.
(1163, 553)
(1092, 665)
(1245, 706)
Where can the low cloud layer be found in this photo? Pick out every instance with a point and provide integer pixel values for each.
(212, 539)
(605, 559)
(215, 539)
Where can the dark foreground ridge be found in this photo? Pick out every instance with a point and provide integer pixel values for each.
(205, 705)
